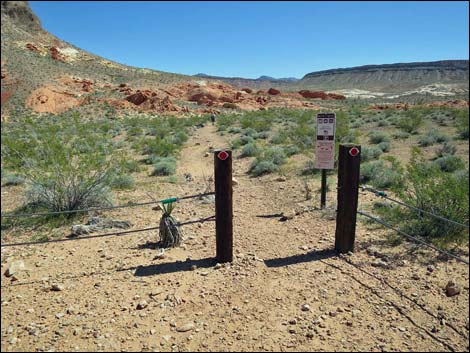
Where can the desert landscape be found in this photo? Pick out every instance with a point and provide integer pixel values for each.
(83, 132)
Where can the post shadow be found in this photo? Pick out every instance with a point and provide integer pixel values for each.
(295, 259)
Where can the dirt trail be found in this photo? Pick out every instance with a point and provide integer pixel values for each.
(285, 291)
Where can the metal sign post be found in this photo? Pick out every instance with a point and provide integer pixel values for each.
(325, 148)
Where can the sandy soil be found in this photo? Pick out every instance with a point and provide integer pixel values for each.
(286, 290)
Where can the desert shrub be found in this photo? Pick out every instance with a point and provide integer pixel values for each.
(249, 132)
(382, 123)
(382, 175)
(261, 135)
(9, 179)
(431, 137)
(377, 137)
(130, 166)
(159, 146)
(291, 150)
(351, 137)
(447, 149)
(268, 161)
(275, 154)
(164, 166)
(309, 168)
(249, 150)
(179, 138)
(279, 138)
(432, 190)
(411, 122)
(400, 135)
(370, 152)
(122, 181)
(234, 130)
(462, 121)
(261, 167)
(384, 146)
(59, 176)
(449, 164)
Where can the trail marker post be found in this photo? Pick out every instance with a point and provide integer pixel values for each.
(325, 149)
(349, 161)
(223, 205)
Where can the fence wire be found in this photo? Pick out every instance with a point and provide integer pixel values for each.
(384, 195)
(25, 215)
(378, 220)
(202, 220)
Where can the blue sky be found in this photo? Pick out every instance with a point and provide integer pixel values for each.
(250, 39)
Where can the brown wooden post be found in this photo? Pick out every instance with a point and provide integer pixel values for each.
(223, 205)
(349, 161)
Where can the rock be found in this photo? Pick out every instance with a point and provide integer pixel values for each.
(452, 289)
(281, 178)
(234, 181)
(137, 98)
(355, 312)
(273, 91)
(305, 307)
(15, 267)
(431, 268)
(142, 305)
(57, 287)
(185, 328)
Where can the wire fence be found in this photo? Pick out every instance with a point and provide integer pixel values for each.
(202, 220)
(385, 196)
(378, 220)
(50, 213)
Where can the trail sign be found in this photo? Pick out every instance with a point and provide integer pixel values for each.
(222, 155)
(325, 146)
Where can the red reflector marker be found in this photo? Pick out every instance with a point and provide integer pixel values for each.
(222, 155)
(354, 151)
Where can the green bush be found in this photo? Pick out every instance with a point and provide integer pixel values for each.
(279, 138)
(384, 146)
(275, 154)
(292, 150)
(432, 190)
(378, 137)
(122, 181)
(412, 121)
(9, 179)
(370, 153)
(449, 164)
(462, 123)
(400, 135)
(234, 130)
(447, 149)
(382, 175)
(59, 176)
(164, 166)
(431, 137)
(250, 150)
(261, 167)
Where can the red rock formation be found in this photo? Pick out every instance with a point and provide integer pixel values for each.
(312, 94)
(56, 55)
(247, 90)
(274, 91)
(33, 48)
(137, 98)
